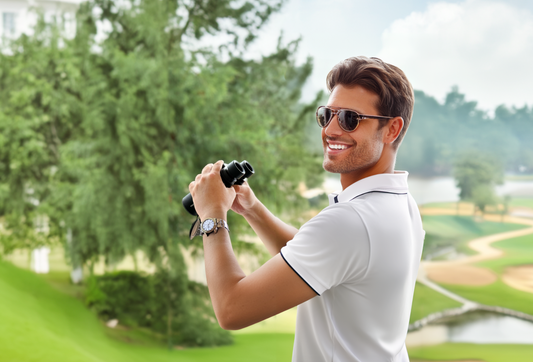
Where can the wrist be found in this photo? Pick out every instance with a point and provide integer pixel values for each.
(214, 213)
(254, 211)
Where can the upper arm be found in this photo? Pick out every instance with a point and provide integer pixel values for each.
(270, 290)
(329, 250)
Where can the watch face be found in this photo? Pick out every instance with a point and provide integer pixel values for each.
(208, 225)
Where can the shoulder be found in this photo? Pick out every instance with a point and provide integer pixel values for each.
(338, 226)
(336, 218)
(330, 249)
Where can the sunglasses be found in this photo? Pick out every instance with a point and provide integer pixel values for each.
(348, 119)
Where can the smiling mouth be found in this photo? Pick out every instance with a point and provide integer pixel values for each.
(337, 146)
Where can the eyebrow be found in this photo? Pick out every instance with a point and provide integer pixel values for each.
(349, 109)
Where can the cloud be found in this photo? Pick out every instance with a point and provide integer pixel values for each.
(484, 47)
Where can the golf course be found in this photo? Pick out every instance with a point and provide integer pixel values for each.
(44, 318)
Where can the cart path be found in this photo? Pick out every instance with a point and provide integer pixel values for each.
(461, 271)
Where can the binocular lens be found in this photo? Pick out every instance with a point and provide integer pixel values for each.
(231, 173)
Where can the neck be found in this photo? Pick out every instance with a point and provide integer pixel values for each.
(385, 164)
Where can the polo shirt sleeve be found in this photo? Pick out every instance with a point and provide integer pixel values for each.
(331, 249)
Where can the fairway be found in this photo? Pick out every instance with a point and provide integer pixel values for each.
(41, 324)
(473, 352)
(427, 301)
(463, 228)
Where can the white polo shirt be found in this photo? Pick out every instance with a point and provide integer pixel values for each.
(361, 256)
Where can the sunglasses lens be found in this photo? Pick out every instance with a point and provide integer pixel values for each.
(348, 120)
(323, 116)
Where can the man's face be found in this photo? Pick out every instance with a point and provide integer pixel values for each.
(359, 151)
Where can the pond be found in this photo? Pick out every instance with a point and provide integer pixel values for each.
(443, 189)
(475, 327)
(483, 327)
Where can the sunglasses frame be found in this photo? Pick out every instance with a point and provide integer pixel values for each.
(335, 111)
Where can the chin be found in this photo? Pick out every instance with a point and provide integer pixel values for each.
(330, 166)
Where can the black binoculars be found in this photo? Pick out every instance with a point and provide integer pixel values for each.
(234, 173)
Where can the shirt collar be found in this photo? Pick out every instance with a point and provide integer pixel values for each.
(385, 182)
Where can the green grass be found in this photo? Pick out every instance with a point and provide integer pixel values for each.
(497, 293)
(477, 352)
(522, 202)
(427, 301)
(464, 228)
(455, 230)
(39, 322)
(518, 251)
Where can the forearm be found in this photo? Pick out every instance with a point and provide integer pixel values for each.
(239, 300)
(271, 230)
(236, 305)
(223, 273)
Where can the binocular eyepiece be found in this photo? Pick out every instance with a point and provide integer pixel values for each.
(234, 173)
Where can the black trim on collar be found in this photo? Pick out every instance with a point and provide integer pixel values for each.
(336, 199)
(380, 192)
(280, 253)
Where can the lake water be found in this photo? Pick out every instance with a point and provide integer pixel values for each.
(476, 327)
(443, 189)
(491, 328)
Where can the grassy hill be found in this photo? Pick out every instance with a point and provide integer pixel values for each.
(457, 230)
(40, 323)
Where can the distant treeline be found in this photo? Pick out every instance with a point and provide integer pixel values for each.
(439, 133)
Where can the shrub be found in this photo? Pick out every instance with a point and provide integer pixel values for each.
(124, 295)
(154, 300)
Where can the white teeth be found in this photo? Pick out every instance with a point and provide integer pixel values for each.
(337, 147)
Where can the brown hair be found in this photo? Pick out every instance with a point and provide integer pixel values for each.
(396, 97)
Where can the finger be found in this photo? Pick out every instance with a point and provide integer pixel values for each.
(207, 168)
(218, 166)
(191, 186)
(198, 177)
(240, 187)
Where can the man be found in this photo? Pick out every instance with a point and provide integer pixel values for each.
(351, 269)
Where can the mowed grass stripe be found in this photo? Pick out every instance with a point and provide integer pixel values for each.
(475, 352)
(41, 324)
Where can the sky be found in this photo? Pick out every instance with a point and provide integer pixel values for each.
(485, 47)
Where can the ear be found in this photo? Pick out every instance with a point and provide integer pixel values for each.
(393, 130)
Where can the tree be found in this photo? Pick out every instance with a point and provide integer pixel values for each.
(476, 176)
(483, 195)
(125, 123)
(39, 109)
(440, 132)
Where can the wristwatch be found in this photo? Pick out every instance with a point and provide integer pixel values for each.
(210, 226)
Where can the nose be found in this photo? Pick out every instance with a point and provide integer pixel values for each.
(333, 128)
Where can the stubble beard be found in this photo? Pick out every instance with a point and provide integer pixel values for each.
(360, 157)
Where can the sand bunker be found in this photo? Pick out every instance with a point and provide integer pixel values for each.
(519, 277)
(460, 274)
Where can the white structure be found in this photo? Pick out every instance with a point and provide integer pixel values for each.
(19, 16)
(39, 260)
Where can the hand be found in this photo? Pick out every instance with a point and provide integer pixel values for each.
(244, 200)
(210, 196)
